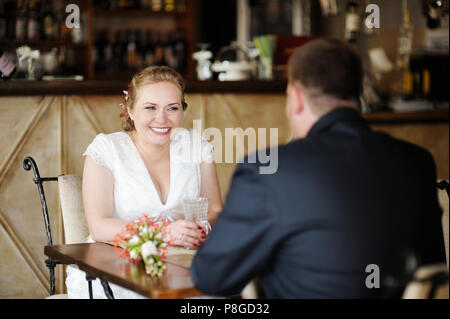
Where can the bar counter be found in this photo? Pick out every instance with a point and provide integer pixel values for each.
(115, 87)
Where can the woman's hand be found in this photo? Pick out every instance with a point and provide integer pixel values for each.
(184, 233)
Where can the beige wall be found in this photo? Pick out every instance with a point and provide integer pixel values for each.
(55, 130)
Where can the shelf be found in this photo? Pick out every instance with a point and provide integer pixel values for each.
(42, 44)
(135, 13)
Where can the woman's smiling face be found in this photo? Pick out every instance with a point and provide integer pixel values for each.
(157, 112)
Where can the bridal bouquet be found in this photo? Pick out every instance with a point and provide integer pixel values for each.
(142, 240)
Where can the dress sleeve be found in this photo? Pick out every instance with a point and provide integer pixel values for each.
(100, 151)
(207, 151)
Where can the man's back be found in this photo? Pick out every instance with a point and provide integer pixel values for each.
(343, 198)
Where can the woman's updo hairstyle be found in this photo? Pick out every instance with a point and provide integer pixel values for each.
(151, 75)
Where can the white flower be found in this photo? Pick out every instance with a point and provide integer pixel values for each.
(134, 240)
(148, 249)
(134, 254)
(24, 52)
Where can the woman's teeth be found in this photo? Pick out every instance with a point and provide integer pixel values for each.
(160, 130)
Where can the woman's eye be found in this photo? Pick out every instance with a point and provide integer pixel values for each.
(172, 108)
(150, 108)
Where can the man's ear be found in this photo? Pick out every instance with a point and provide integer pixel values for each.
(298, 97)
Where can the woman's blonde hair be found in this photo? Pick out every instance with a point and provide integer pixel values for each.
(150, 75)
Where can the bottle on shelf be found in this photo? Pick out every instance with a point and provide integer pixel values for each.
(7, 68)
(3, 20)
(10, 9)
(180, 6)
(169, 50)
(352, 21)
(33, 21)
(157, 5)
(405, 42)
(148, 52)
(169, 5)
(48, 22)
(131, 56)
(99, 49)
(159, 49)
(108, 49)
(21, 20)
(117, 51)
(122, 4)
(180, 50)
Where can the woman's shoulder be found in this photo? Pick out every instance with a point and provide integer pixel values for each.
(110, 138)
(105, 145)
(185, 135)
(191, 146)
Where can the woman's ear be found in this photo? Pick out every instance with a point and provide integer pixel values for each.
(129, 111)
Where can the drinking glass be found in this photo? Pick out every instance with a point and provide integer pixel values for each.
(196, 210)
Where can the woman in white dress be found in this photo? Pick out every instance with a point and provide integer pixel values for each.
(148, 168)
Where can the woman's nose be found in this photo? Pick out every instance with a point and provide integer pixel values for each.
(161, 116)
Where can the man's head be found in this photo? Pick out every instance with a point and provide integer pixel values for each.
(323, 75)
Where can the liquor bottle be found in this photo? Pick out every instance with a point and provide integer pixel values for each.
(131, 59)
(7, 68)
(121, 4)
(10, 9)
(117, 50)
(157, 5)
(48, 22)
(352, 21)
(3, 21)
(21, 20)
(169, 50)
(159, 50)
(33, 22)
(169, 5)
(99, 55)
(149, 56)
(405, 42)
(181, 6)
(139, 49)
(180, 50)
(107, 49)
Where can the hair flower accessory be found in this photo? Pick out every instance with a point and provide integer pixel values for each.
(142, 241)
(122, 104)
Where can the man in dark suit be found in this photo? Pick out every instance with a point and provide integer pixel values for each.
(344, 208)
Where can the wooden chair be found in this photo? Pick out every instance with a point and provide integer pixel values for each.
(74, 221)
(443, 195)
(429, 282)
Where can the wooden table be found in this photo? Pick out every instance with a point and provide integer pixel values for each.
(102, 261)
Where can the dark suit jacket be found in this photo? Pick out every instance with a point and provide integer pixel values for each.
(343, 198)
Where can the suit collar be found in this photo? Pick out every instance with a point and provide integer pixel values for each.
(337, 115)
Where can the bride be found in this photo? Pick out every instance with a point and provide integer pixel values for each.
(148, 168)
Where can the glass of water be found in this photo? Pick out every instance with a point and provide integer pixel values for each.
(196, 210)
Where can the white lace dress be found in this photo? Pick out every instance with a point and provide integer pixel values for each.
(135, 193)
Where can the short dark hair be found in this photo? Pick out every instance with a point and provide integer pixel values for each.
(329, 66)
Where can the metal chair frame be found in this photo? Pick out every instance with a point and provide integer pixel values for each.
(29, 163)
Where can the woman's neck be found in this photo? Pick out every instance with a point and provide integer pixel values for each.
(148, 150)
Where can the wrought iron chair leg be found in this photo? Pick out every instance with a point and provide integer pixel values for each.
(51, 267)
(89, 280)
(108, 292)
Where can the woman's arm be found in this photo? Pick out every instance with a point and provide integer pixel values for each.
(210, 189)
(98, 198)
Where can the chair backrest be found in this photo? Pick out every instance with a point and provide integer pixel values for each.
(444, 202)
(75, 226)
(429, 282)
